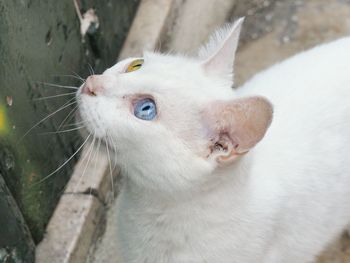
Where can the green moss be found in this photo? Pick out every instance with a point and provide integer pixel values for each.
(3, 121)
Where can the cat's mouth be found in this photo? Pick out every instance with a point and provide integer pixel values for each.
(88, 116)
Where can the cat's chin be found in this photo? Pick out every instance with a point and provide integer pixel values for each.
(89, 129)
(100, 142)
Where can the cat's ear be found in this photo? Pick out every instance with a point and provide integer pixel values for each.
(234, 127)
(219, 53)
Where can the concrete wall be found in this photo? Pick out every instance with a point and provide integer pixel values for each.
(277, 29)
(41, 42)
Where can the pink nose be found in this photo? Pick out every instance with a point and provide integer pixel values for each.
(93, 85)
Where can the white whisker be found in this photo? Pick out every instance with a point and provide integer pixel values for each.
(78, 76)
(48, 116)
(110, 167)
(72, 76)
(74, 124)
(71, 113)
(96, 159)
(87, 162)
(62, 131)
(58, 86)
(62, 165)
(115, 150)
(55, 96)
(91, 70)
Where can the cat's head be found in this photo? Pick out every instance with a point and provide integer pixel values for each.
(172, 120)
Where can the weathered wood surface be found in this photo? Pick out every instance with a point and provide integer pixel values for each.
(40, 41)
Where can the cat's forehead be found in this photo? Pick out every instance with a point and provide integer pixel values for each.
(156, 63)
(176, 62)
(167, 72)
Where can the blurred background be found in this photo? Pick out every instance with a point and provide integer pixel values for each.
(45, 45)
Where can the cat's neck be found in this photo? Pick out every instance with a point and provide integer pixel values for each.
(223, 179)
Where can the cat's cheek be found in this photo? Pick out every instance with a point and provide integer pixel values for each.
(91, 113)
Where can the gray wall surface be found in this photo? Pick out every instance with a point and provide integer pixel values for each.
(40, 41)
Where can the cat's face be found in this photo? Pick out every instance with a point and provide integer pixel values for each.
(158, 115)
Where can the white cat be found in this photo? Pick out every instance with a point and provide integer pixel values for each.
(198, 187)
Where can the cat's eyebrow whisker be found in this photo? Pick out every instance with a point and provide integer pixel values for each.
(62, 165)
(58, 86)
(91, 69)
(78, 76)
(55, 96)
(87, 162)
(47, 117)
(62, 131)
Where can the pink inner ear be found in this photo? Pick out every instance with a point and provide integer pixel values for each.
(244, 120)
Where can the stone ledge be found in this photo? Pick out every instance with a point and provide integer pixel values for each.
(71, 229)
(80, 212)
(147, 27)
(92, 175)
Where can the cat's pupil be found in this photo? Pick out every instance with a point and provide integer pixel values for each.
(146, 108)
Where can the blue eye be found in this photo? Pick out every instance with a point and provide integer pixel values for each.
(145, 109)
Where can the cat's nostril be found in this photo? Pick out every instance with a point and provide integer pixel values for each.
(94, 85)
(88, 90)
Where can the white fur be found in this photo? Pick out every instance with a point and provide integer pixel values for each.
(284, 201)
